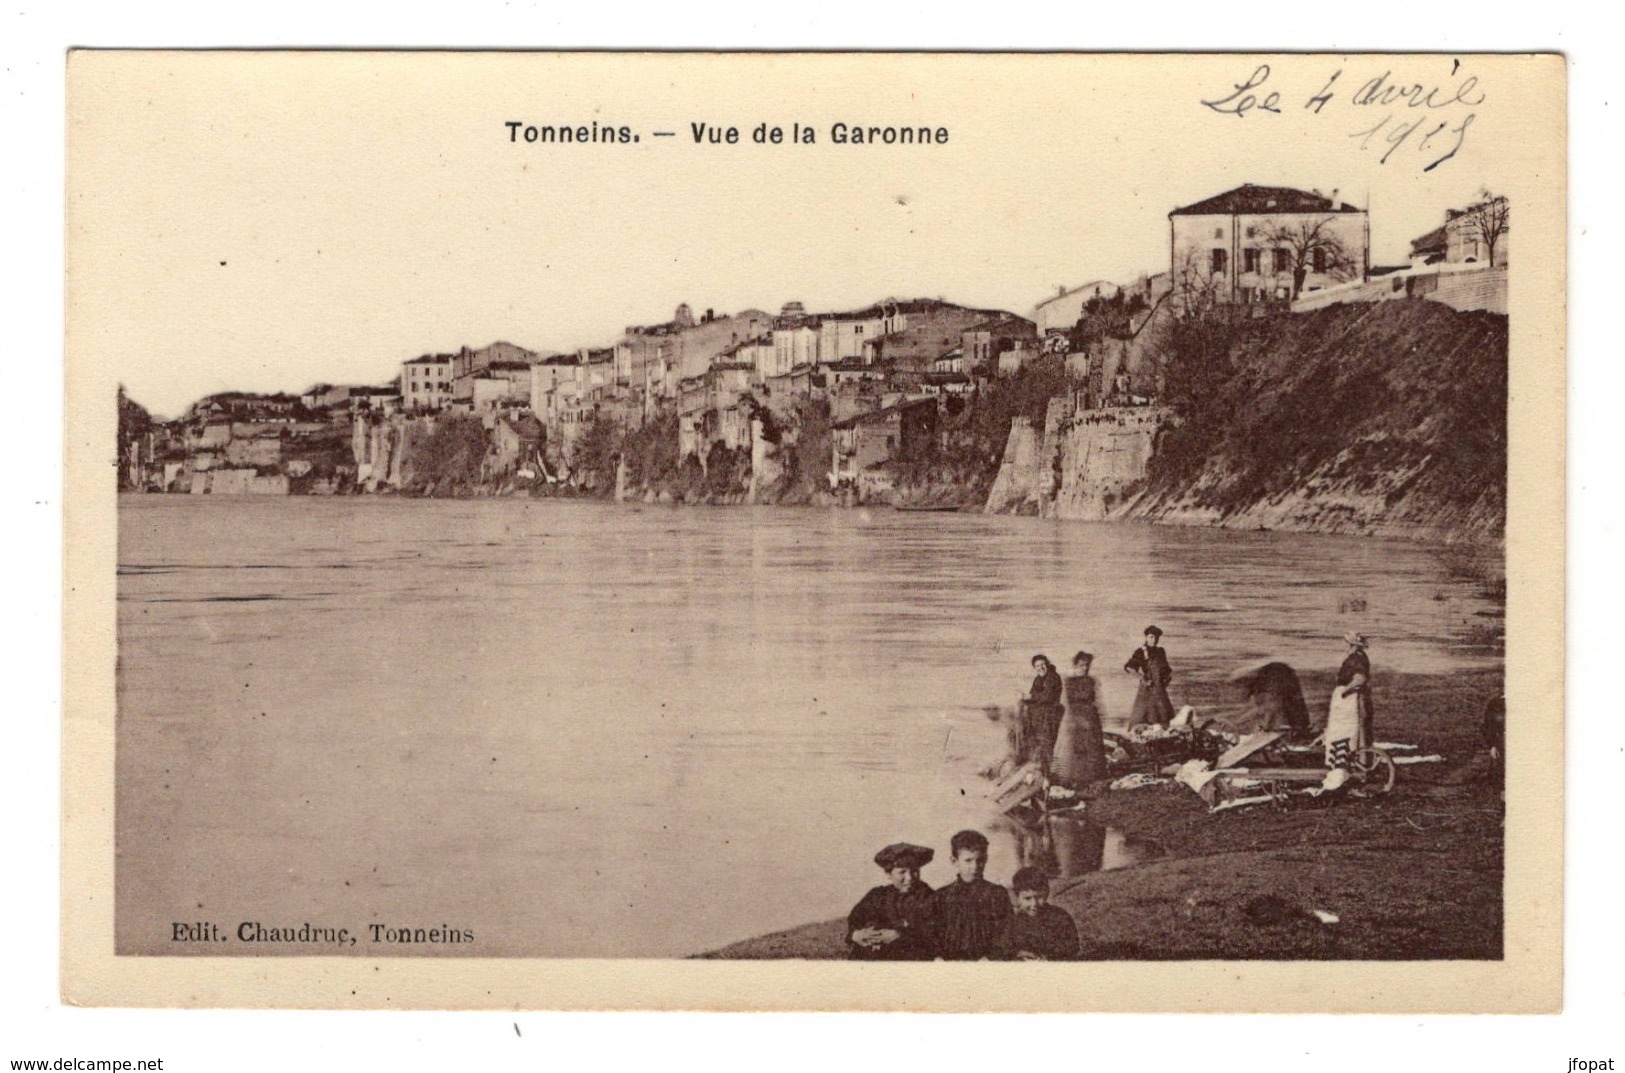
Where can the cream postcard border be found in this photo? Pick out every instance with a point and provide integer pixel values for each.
(1529, 979)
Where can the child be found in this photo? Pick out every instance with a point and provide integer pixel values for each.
(970, 910)
(895, 921)
(1037, 931)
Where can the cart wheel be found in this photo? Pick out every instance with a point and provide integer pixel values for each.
(1375, 769)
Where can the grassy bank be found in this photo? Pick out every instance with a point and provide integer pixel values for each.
(1414, 875)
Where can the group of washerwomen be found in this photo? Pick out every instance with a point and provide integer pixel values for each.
(968, 919)
(972, 918)
(1061, 744)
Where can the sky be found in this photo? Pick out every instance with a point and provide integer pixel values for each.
(265, 222)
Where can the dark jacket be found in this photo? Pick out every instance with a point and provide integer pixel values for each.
(969, 916)
(1152, 665)
(1046, 689)
(913, 915)
(1049, 933)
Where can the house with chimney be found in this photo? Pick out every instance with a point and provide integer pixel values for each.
(1474, 235)
(1265, 244)
(1059, 312)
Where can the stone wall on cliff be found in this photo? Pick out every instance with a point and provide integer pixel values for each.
(1382, 419)
(1083, 464)
(1023, 485)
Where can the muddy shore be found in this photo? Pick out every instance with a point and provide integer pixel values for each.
(1413, 875)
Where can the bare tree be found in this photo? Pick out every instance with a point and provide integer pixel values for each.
(1196, 289)
(1487, 221)
(1310, 242)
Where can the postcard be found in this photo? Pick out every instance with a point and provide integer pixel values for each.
(871, 531)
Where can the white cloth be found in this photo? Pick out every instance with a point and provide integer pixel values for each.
(1342, 725)
(1195, 774)
(1136, 780)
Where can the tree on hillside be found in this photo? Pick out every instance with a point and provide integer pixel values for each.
(452, 458)
(134, 422)
(1310, 243)
(1105, 318)
(1487, 221)
(1197, 290)
(596, 453)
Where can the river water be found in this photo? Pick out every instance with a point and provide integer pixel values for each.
(580, 729)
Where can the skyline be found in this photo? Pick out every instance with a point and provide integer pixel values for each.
(323, 217)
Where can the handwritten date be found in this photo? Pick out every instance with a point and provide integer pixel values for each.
(1431, 118)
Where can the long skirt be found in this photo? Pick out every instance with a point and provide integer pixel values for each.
(1345, 728)
(1080, 749)
(1151, 705)
(1038, 725)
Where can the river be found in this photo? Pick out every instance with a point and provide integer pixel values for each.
(581, 729)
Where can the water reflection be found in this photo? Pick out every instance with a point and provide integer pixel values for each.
(1071, 845)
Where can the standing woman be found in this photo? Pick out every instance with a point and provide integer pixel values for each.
(1043, 713)
(1080, 748)
(1150, 662)
(1348, 719)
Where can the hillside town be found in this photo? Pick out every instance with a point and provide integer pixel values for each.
(887, 384)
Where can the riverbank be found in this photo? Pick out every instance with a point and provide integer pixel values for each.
(1413, 875)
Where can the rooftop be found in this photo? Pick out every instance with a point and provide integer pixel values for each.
(884, 413)
(1075, 290)
(1247, 199)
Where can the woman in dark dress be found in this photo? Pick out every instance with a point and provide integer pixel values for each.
(1150, 662)
(895, 921)
(1080, 748)
(1042, 706)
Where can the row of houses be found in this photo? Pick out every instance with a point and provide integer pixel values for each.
(1257, 246)
(714, 371)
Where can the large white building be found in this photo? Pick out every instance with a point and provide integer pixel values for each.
(1266, 243)
(1060, 312)
(426, 382)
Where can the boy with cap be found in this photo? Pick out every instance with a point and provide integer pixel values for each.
(970, 910)
(1037, 931)
(895, 921)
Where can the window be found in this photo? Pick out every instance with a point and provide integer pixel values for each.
(1221, 261)
(1320, 259)
(1283, 261)
(1218, 232)
(1252, 260)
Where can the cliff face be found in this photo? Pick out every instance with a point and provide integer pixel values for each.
(1387, 418)
(1083, 464)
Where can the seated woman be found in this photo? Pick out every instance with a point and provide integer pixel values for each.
(895, 921)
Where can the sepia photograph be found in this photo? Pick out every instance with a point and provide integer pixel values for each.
(557, 509)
